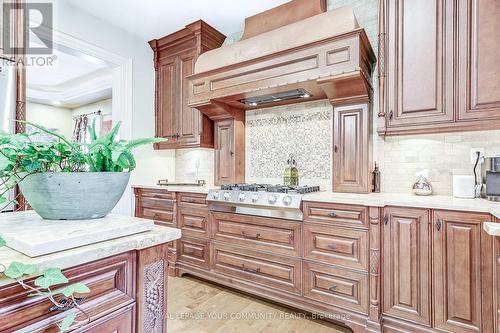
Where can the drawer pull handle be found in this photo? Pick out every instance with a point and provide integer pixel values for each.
(332, 246)
(333, 288)
(244, 234)
(332, 214)
(156, 216)
(67, 304)
(251, 270)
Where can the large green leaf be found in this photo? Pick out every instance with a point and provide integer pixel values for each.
(17, 270)
(3, 200)
(78, 288)
(67, 322)
(132, 144)
(51, 277)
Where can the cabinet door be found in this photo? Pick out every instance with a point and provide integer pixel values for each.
(166, 87)
(420, 61)
(457, 271)
(479, 51)
(351, 158)
(224, 152)
(406, 254)
(189, 119)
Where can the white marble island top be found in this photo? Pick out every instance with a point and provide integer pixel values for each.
(88, 253)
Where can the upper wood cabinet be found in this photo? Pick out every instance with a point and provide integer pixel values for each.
(420, 61)
(174, 59)
(229, 151)
(462, 266)
(407, 259)
(352, 149)
(438, 64)
(479, 54)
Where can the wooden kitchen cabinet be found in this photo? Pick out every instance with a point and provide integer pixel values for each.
(229, 151)
(407, 264)
(479, 51)
(352, 149)
(461, 268)
(439, 68)
(420, 62)
(174, 59)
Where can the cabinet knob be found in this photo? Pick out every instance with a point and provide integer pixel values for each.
(391, 115)
(335, 149)
(332, 214)
(333, 288)
(332, 246)
(386, 219)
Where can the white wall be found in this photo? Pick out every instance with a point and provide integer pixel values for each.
(51, 117)
(151, 165)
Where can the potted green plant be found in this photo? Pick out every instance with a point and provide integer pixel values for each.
(64, 180)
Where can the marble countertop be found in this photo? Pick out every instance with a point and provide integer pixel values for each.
(492, 229)
(185, 189)
(88, 253)
(375, 199)
(408, 200)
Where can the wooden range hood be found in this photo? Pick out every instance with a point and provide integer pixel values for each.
(297, 47)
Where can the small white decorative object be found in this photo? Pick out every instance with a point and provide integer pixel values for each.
(422, 186)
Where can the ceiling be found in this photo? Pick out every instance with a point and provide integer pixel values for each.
(71, 81)
(156, 18)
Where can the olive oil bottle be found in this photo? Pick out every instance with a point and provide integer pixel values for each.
(291, 175)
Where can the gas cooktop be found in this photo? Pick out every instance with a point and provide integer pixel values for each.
(260, 199)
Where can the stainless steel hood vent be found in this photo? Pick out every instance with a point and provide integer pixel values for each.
(278, 97)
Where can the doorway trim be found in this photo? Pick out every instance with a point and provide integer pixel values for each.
(122, 99)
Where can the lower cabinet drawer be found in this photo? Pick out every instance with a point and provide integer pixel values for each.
(194, 252)
(161, 217)
(336, 245)
(119, 322)
(193, 222)
(258, 233)
(272, 271)
(110, 280)
(336, 286)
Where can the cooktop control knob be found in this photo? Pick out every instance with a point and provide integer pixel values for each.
(227, 196)
(255, 198)
(287, 200)
(216, 195)
(272, 199)
(241, 197)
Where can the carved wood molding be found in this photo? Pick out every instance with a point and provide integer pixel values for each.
(375, 280)
(152, 289)
(153, 300)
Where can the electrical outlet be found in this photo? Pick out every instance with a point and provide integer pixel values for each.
(473, 155)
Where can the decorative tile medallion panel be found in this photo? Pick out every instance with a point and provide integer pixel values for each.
(303, 130)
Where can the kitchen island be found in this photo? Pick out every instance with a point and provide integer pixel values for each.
(126, 275)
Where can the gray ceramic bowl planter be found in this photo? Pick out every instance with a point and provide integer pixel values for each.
(74, 195)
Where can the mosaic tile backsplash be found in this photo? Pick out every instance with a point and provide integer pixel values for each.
(303, 130)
